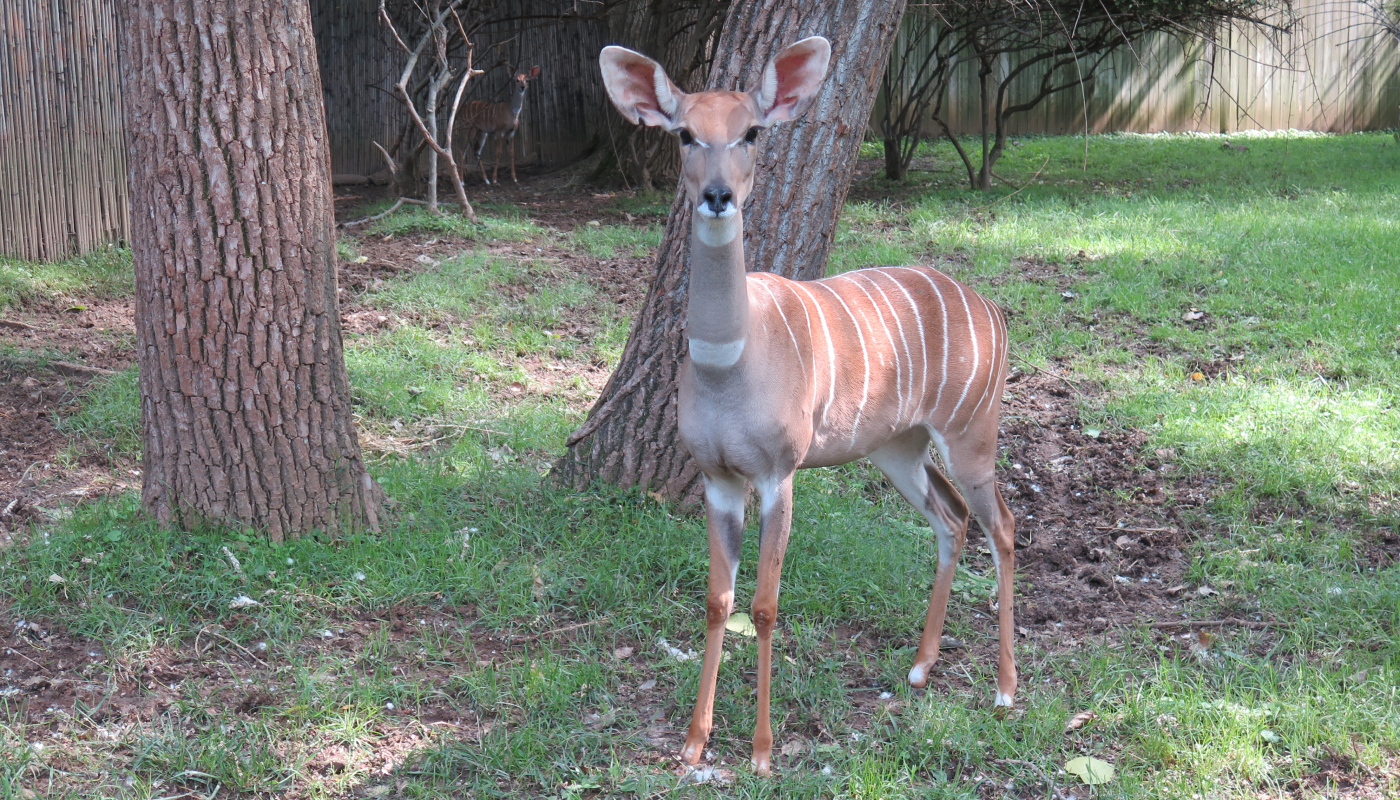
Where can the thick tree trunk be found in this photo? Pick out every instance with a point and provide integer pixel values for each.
(630, 437)
(245, 403)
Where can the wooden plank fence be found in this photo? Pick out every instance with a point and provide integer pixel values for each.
(1336, 71)
(62, 154)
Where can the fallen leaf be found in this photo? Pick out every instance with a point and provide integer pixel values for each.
(57, 579)
(243, 601)
(794, 747)
(622, 652)
(1080, 720)
(1193, 315)
(516, 387)
(426, 259)
(360, 260)
(1090, 770)
(657, 496)
(1206, 591)
(647, 685)
(1092, 433)
(740, 623)
(1270, 737)
(593, 223)
(1198, 376)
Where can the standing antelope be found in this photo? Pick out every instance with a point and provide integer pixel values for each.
(784, 374)
(484, 118)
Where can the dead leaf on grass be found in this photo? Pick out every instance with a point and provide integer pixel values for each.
(622, 652)
(1080, 720)
(740, 623)
(1090, 770)
(1193, 315)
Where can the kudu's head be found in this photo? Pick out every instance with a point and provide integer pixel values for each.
(522, 79)
(717, 129)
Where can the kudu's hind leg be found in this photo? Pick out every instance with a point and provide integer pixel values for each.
(977, 480)
(908, 465)
(512, 159)
(724, 517)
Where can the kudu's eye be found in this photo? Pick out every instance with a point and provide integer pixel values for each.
(686, 138)
(752, 135)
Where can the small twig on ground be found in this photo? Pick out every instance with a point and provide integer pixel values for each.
(19, 326)
(532, 637)
(381, 215)
(1215, 623)
(1068, 382)
(245, 651)
(1054, 790)
(1134, 530)
(1018, 189)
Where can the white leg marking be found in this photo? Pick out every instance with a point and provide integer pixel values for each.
(916, 675)
(716, 354)
(904, 341)
(830, 349)
(864, 354)
(1004, 700)
(972, 334)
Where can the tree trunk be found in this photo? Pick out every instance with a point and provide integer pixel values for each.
(630, 437)
(245, 404)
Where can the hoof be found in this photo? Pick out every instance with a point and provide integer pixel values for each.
(918, 676)
(1004, 702)
(692, 751)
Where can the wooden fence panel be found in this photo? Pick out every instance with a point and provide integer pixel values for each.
(1335, 72)
(62, 153)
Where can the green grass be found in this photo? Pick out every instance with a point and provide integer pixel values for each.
(1290, 249)
(105, 272)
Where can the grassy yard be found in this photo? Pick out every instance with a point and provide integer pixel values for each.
(1236, 314)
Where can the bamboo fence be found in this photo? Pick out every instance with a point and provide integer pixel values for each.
(62, 154)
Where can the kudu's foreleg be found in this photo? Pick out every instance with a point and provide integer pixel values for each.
(480, 147)
(776, 523)
(724, 518)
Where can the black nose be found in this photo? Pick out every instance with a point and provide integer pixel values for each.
(717, 198)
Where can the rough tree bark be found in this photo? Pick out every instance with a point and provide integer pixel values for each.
(245, 404)
(630, 437)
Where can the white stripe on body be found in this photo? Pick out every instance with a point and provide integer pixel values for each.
(801, 362)
(995, 358)
(830, 349)
(919, 323)
(864, 354)
(898, 370)
(971, 332)
(943, 377)
(908, 357)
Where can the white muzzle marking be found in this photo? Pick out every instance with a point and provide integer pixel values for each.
(717, 231)
(710, 354)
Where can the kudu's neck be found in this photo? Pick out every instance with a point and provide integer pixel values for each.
(717, 313)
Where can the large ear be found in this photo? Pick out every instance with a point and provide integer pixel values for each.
(534, 72)
(639, 87)
(791, 79)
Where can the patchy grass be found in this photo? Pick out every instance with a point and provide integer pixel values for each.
(105, 272)
(501, 638)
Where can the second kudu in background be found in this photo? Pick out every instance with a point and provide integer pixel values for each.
(484, 118)
(784, 374)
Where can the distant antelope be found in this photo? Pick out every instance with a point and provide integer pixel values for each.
(786, 374)
(484, 118)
